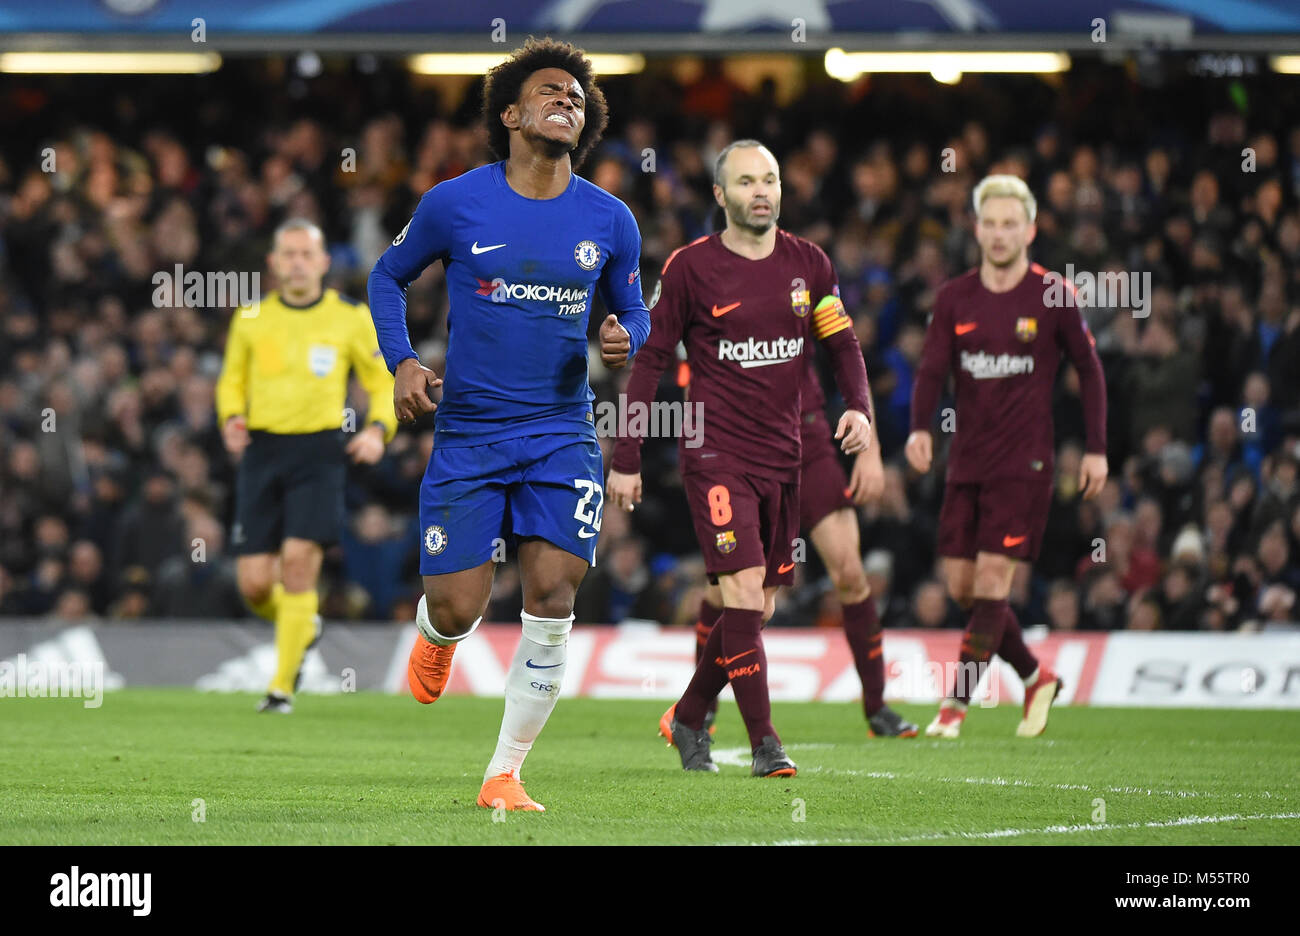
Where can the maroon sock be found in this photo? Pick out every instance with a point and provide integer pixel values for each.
(701, 638)
(981, 638)
(709, 614)
(745, 663)
(709, 679)
(1013, 649)
(862, 628)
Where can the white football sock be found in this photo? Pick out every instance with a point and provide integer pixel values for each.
(532, 687)
(425, 626)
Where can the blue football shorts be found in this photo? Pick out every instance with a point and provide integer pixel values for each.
(475, 499)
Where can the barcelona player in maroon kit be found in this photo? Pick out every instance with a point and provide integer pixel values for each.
(746, 303)
(826, 514)
(1001, 332)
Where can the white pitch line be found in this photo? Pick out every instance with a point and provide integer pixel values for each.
(743, 757)
(1046, 830)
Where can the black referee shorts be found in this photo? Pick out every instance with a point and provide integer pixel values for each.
(288, 486)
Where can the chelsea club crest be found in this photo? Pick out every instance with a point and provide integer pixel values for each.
(435, 540)
(587, 254)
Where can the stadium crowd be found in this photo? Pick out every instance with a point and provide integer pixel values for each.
(116, 492)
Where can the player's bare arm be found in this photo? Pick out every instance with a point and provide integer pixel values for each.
(412, 382)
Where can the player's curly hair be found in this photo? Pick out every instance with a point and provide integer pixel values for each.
(505, 82)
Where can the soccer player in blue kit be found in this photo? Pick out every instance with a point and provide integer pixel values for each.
(524, 242)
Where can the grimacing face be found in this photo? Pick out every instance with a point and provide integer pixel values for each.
(1003, 230)
(751, 189)
(551, 108)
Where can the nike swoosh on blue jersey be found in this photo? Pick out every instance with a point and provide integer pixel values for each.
(532, 665)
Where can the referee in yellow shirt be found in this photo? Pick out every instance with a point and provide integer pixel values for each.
(280, 404)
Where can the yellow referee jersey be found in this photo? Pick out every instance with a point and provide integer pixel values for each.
(286, 367)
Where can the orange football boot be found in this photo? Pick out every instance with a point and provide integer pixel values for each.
(666, 724)
(505, 791)
(428, 669)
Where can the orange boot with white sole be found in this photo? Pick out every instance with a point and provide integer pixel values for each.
(947, 724)
(429, 666)
(505, 791)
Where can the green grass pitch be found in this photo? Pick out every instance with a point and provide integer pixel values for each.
(378, 769)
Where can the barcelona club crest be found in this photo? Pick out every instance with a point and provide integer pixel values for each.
(435, 540)
(800, 298)
(726, 542)
(1026, 329)
(587, 254)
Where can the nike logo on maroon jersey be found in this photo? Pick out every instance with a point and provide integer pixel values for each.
(724, 310)
(962, 328)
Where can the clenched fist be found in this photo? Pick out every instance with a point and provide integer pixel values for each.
(411, 385)
(615, 343)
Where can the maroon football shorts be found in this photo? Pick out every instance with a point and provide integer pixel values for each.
(744, 520)
(1007, 517)
(823, 489)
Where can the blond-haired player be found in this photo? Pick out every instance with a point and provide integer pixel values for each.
(1001, 330)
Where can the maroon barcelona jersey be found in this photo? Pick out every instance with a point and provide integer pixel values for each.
(815, 429)
(746, 325)
(1004, 350)
(814, 398)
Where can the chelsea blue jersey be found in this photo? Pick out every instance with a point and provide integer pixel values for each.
(521, 277)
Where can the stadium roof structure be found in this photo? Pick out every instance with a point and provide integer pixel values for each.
(667, 26)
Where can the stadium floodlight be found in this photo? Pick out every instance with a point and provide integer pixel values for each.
(109, 63)
(1285, 64)
(947, 67)
(479, 63)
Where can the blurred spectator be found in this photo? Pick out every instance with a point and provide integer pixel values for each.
(1161, 379)
(931, 607)
(72, 605)
(375, 550)
(1144, 614)
(151, 531)
(610, 592)
(894, 527)
(200, 582)
(1063, 606)
(891, 607)
(86, 573)
(1103, 600)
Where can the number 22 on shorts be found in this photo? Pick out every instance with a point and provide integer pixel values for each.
(580, 513)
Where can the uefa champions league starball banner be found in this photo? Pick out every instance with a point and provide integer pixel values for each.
(631, 16)
(40, 659)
